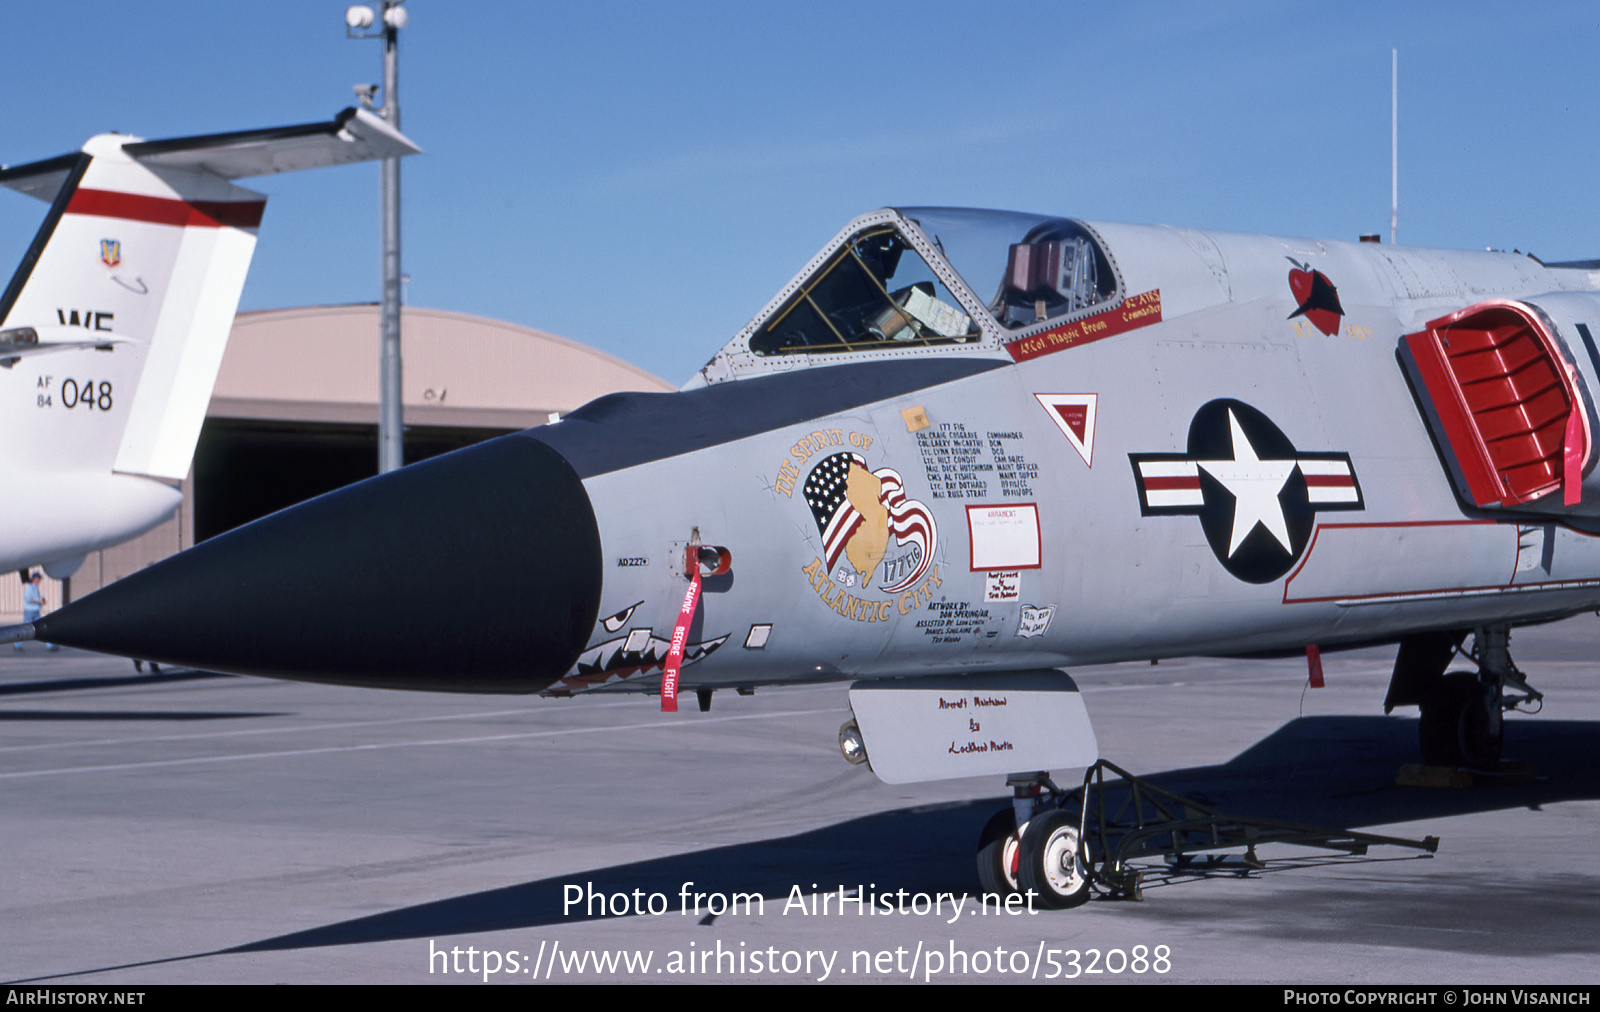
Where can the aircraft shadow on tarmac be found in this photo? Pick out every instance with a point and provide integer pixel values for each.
(8, 716)
(73, 684)
(52, 685)
(1333, 771)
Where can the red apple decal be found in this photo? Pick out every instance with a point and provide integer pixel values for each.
(1318, 300)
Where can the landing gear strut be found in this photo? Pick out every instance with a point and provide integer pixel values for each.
(1462, 712)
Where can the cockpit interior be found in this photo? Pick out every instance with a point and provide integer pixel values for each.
(876, 290)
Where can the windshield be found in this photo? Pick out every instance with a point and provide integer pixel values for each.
(875, 292)
(1030, 268)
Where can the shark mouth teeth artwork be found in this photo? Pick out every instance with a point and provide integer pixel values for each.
(857, 510)
(638, 652)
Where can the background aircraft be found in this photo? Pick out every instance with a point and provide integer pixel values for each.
(961, 450)
(114, 324)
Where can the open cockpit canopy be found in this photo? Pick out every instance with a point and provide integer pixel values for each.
(937, 276)
(1027, 268)
(923, 281)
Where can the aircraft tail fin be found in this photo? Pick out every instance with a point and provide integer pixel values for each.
(122, 304)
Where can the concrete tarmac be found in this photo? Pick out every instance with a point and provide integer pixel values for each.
(189, 827)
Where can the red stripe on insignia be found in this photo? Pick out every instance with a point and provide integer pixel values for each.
(1182, 484)
(1330, 481)
(1136, 311)
(167, 210)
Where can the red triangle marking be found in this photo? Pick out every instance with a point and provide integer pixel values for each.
(1075, 416)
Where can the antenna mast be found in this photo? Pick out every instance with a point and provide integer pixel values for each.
(1394, 142)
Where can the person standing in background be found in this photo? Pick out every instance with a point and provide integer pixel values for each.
(32, 605)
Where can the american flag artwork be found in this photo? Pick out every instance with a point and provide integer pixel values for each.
(825, 491)
(910, 523)
(839, 521)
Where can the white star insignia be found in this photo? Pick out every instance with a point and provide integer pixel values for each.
(1255, 485)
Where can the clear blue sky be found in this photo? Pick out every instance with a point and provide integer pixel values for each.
(643, 176)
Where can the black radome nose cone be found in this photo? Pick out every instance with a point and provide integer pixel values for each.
(477, 571)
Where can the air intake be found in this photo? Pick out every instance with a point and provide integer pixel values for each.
(1500, 399)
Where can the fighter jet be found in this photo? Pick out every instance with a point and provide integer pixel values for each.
(960, 452)
(113, 327)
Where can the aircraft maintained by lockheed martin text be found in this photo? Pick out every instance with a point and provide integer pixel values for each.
(113, 327)
(961, 451)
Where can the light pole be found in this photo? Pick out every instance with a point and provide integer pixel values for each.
(391, 424)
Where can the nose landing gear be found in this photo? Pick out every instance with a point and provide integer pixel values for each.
(1052, 861)
(1069, 844)
(1038, 853)
(997, 854)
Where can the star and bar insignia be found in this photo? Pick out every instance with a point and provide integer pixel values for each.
(1255, 494)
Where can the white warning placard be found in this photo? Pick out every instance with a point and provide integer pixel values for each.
(938, 727)
(1006, 586)
(1004, 536)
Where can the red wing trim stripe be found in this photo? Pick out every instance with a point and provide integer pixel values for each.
(167, 210)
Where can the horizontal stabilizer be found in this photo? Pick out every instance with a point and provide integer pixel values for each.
(40, 180)
(21, 342)
(355, 135)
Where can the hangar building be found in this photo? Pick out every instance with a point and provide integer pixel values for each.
(295, 414)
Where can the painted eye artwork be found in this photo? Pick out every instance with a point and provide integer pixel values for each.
(614, 623)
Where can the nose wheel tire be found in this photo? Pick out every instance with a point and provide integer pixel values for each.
(997, 854)
(1050, 862)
